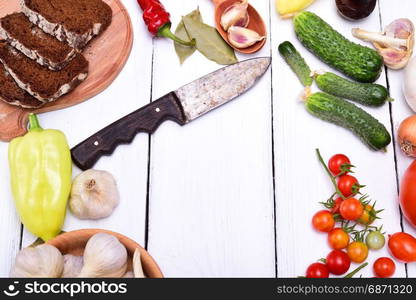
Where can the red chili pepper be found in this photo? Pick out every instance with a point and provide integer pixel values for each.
(157, 20)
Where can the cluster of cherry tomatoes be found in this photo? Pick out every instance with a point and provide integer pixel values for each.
(349, 244)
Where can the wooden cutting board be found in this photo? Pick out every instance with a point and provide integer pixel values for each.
(107, 56)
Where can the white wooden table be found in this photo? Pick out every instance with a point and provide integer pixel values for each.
(231, 194)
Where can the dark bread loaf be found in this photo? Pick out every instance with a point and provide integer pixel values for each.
(74, 21)
(29, 39)
(12, 94)
(42, 83)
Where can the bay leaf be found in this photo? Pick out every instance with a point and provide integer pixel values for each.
(183, 52)
(209, 42)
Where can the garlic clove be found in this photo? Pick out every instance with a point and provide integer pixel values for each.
(243, 22)
(395, 59)
(409, 84)
(400, 28)
(137, 265)
(236, 14)
(104, 257)
(72, 266)
(395, 44)
(94, 195)
(241, 37)
(43, 261)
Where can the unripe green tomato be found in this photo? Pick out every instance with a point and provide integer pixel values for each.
(375, 240)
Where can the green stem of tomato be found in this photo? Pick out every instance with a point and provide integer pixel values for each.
(321, 160)
(350, 275)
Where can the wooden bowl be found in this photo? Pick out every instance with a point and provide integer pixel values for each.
(74, 242)
(256, 23)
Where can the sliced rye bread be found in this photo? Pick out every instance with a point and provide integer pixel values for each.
(29, 39)
(74, 21)
(42, 83)
(12, 94)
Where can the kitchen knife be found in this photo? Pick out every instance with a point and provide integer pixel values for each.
(181, 106)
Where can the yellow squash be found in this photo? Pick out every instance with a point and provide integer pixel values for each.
(40, 171)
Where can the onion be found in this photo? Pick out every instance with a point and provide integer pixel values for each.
(407, 136)
(355, 9)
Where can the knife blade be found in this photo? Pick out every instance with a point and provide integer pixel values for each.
(181, 106)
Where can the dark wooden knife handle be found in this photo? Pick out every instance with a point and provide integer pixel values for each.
(146, 119)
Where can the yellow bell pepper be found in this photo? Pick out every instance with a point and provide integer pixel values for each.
(288, 8)
(41, 170)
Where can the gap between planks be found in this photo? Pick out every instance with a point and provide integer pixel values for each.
(276, 272)
(392, 132)
(149, 156)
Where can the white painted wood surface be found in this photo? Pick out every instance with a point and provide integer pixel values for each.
(202, 197)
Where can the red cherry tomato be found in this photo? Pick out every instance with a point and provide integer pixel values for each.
(348, 185)
(317, 270)
(338, 163)
(384, 267)
(338, 239)
(403, 247)
(337, 205)
(338, 262)
(408, 194)
(323, 221)
(351, 209)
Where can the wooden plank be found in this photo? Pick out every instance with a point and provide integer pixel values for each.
(211, 194)
(9, 221)
(301, 181)
(128, 164)
(400, 110)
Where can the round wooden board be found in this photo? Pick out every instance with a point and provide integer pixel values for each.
(106, 54)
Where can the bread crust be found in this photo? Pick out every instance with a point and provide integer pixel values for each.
(62, 19)
(12, 94)
(40, 82)
(26, 37)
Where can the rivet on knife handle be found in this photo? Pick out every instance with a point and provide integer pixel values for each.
(146, 119)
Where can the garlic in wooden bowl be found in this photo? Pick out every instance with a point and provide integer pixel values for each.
(43, 261)
(239, 13)
(74, 243)
(104, 256)
(94, 195)
(72, 266)
(241, 37)
(235, 15)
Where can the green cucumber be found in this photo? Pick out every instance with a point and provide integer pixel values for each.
(345, 114)
(296, 63)
(369, 94)
(356, 61)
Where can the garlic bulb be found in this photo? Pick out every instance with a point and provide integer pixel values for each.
(72, 266)
(43, 261)
(394, 44)
(137, 265)
(94, 195)
(104, 256)
(241, 37)
(236, 14)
